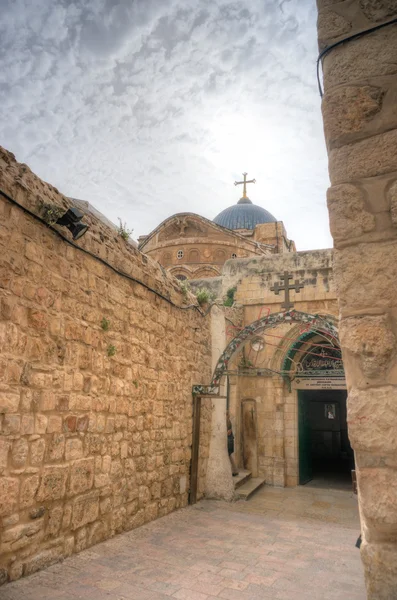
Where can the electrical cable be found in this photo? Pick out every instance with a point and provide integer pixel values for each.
(347, 39)
(104, 262)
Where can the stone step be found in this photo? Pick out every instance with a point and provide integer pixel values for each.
(241, 478)
(246, 490)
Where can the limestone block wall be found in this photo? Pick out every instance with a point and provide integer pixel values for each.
(95, 384)
(360, 123)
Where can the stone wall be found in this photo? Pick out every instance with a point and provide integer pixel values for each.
(95, 384)
(360, 122)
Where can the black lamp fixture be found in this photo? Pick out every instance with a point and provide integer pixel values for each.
(71, 219)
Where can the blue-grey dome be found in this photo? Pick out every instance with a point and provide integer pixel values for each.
(244, 215)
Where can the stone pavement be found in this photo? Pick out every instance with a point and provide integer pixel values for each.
(283, 544)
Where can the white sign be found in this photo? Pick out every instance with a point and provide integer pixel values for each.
(319, 383)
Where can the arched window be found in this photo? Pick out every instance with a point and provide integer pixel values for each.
(167, 258)
(181, 277)
(234, 255)
(220, 256)
(194, 256)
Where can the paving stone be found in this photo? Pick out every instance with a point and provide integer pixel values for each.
(236, 551)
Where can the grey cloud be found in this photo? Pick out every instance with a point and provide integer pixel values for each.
(146, 108)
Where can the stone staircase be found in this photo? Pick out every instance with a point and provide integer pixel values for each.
(246, 485)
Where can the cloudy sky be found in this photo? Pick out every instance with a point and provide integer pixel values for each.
(146, 108)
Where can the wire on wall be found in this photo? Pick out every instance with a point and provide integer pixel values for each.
(104, 262)
(344, 41)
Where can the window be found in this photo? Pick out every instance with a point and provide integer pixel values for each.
(257, 344)
(181, 277)
(234, 255)
(167, 258)
(194, 256)
(179, 254)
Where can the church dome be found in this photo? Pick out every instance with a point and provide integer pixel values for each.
(244, 215)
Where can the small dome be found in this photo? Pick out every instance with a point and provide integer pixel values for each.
(244, 215)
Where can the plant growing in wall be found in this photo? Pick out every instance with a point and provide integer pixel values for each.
(204, 296)
(105, 324)
(111, 350)
(51, 213)
(185, 288)
(123, 231)
(229, 300)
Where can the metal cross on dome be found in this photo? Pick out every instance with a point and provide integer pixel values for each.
(284, 286)
(244, 183)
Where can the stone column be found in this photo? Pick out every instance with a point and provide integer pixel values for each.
(279, 448)
(360, 123)
(219, 481)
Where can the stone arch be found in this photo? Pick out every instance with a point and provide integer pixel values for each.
(194, 256)
(299, 336)
(180, 272)
(167, 259)
(220, 255)
(206, 271)
(272, 320)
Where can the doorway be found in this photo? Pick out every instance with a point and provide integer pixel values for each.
(325, 455)
(249, 436)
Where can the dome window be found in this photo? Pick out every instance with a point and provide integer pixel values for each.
(179, 254)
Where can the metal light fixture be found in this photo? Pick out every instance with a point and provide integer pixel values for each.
(71, 219)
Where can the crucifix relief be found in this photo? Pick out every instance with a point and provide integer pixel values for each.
(244, 183)
(284, 286)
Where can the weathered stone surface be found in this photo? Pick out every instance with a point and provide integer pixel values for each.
(378, 10)
(331, 25)
(348, 110)
(20, 450)
(372, 415)
(55, 517)
(348, 214)
(37, 450)
(381, 561)
(368, 57)
(378, 500)
(371, 340)
(4, 452)
(392, 197)
(73, 449)
(9, 489)
(43, 559)
(85, 510)
(366, 283)
(11, 424)
(56, 448)
(29, 488)
(82, 475)
(9, 402)
(354, 161)
(53, 483)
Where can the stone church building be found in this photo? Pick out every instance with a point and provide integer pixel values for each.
(285, 385)
(190, 246)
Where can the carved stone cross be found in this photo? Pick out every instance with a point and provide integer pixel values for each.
(284, 286)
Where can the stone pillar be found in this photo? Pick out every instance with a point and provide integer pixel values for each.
(279, 448)
(219, 481)
(360, 123)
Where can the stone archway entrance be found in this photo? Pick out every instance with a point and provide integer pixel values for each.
(268, 424)
(325, 457)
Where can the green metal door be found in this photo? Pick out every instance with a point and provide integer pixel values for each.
(305, 459)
